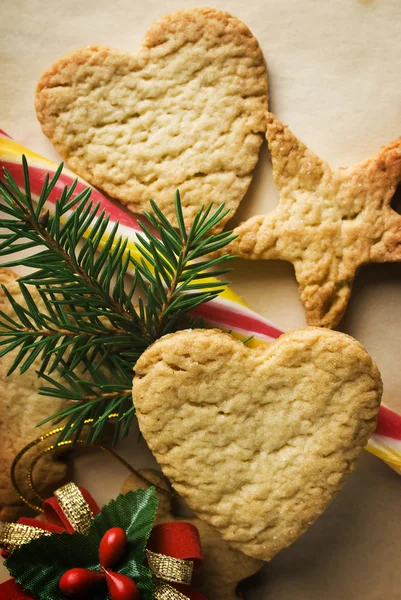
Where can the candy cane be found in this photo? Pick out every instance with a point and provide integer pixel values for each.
(227, 311)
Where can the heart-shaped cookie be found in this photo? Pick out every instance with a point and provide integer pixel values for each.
(258, 441)
(187, 111)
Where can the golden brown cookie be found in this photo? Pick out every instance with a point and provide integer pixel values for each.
(257, 441)
(187, 111)
(224, 568)
(328, 222)
(21, 408)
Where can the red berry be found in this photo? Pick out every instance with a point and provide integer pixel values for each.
(112, 547)
(121, 587)
(78, 582)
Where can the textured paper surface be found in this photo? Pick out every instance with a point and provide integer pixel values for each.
(334, 75)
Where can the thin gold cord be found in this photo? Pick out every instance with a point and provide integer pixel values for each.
(33, 488)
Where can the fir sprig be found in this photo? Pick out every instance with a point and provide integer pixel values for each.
(91, 331)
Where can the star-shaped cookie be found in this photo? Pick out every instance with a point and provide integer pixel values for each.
(329, 221)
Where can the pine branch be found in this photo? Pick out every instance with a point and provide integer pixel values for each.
(177, 282)
(89, 331)
(105, 392)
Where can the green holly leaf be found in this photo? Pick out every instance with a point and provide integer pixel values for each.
(39, 565)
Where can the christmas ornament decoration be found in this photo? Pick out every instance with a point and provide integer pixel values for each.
(171, 550)
(71, 564)
(39, 565)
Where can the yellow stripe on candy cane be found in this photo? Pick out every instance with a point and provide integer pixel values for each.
(228, 293)
(382, 447)
(12, 151)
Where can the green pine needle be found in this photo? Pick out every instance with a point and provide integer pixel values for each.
(90, 333)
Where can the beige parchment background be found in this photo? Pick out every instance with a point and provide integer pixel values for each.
(335, 78)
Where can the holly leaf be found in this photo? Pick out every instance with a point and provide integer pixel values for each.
(39, 565)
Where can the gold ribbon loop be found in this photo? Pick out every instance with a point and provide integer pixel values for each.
(75, 507)
(164, 591)
(14, 535)
(169, 568)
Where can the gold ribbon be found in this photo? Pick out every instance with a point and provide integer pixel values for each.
(14, 535)
(168, 569)
(75, 507)
(164, 591)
